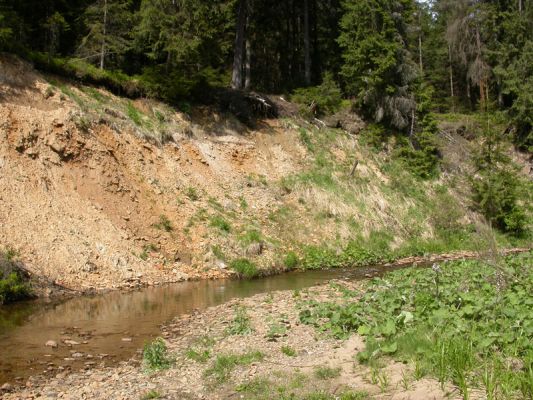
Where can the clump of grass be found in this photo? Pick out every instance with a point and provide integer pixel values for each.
(146, 250)
(276, 330)
(324, 372)
(192, 193)
(218, 253)
(241, 324)
(244, 267)
(200, 356)
(134, 114)
(220, 223)
(251, 236)
(257, 386)
(164, 224)
(288, 351)
(224, 365)
(152, 394)
(155, 357)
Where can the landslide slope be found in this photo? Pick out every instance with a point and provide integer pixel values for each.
(97, 191)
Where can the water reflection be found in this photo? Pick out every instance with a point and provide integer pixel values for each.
(104, 321)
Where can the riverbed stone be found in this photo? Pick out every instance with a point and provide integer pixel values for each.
(51, 343)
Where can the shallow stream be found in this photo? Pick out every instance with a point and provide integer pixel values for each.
(113, 326)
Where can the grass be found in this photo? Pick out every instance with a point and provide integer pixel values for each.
(164, 224)
(155, 356)
(291, 260)
(245, 268)
(223, 365)
(220, 223)
(152, 394)
(192, 194)
(324, 372)
(134, 114)
(460, 322)
(241, 324)
(288, 351)
(200, 356)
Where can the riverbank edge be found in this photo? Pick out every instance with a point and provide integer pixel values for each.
(46, 289)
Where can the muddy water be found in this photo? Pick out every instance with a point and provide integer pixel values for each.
(113, 326)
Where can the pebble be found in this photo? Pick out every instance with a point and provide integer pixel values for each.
(6, 387)
(127, 339)
(51, 343)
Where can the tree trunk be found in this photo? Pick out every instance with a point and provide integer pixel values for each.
(420, 52)
(307, 44)
(520, 7)
(451, 78)
(248, 64)
(238, 57)
(104, 32)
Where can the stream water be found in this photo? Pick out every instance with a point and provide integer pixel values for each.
(113, 326)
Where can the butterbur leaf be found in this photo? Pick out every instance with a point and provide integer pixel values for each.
(390, 348)
(363, 330)
(389, 328)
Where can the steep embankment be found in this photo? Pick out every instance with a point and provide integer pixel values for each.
(97, 191)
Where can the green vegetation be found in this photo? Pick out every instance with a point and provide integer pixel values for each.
(13, 286)
(152, 394)
(325, 98)
(288, 351)
(220, 223)
(223, 365)
(245, 268)
(164, 224)
(192, 194)
(291, 260)
(463, 321)
(155, 356)
(200, 356)
(241, 324)
(324, 372)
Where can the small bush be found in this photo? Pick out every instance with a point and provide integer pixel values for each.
(220, 223)
(251, 236)
(291, 260)
(319, 100)
(155, 356)
(13, 287)
(245, 267)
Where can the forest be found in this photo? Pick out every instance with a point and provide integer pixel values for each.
(395, 62)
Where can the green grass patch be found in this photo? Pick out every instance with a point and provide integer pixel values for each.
(220, 223)
(324, 372)
(245, 268)
(223, 365)
(288, 351)
(134, 114)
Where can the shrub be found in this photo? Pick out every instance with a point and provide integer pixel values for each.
(244, 267)
(288, 351)
(13, 287)
(155, 356)
(320, 100)
(291, 260)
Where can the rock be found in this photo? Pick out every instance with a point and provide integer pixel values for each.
(71, 342)
(89, 267)
(6, 387)
(77, 355)
(51, 343)
(127, 339)
(255, 249)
